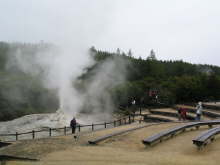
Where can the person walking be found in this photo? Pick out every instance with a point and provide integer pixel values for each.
(183, 113)
(198, 111)
(73, 125)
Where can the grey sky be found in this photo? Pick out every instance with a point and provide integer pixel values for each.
(175, 29)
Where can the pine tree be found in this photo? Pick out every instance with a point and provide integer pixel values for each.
(152, 56)
(130, 53)
(118, 51)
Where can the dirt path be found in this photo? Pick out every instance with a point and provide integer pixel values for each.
(128, 149)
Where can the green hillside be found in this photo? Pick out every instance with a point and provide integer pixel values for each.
(174, 81)
(22, 93)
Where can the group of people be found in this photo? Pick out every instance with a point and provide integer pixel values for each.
(182, 112)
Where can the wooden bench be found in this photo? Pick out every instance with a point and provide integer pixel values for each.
(173, 131)
(205, 137)
(149, 118)
(172, 114)
(205, 112)
(211, 107)
(3, 144)
(8, 158)
(102, 138)
(211, 114)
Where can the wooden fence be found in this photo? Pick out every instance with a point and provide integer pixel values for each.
(68, 130)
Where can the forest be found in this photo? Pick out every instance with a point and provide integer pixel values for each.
(23, 93)
(172, 81)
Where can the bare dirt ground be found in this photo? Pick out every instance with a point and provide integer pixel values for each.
(128, 149)
(120, 150)
(40, 147)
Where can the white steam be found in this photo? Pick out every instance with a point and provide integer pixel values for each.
(97, 97)
(74, 30)
(60, 69)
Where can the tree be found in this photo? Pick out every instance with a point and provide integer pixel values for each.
(93, 49)
(130, 53)
(118, 51)
(152, 56)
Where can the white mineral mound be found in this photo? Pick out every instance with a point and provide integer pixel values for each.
(53, 120)
(34, 122)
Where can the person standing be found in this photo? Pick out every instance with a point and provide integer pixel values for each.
(183, 113)
(199, 111)
(73, 125)
(133, 103)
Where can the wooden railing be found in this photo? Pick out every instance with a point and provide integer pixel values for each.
(68, 130)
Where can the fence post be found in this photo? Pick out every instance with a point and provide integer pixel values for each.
(129, 118)
(133, 118)
(105, 125)
(50, 130)
(33, 135)
(114, 123)
(140, 110)
(79, 127)
(120, 122)
(125, 120)
(65, 130)
(16, 135)
(92, 127)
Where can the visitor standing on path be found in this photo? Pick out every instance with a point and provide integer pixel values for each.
(198, 111)
(133, 103)
(73, 125)
(183, 113)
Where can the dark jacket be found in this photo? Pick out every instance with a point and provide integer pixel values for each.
(73, 123)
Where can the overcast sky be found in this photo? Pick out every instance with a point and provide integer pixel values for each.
(175, 29)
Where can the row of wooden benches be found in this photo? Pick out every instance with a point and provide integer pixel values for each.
(200, 141)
